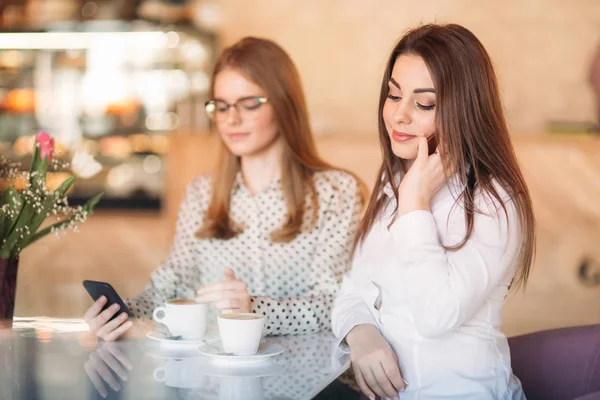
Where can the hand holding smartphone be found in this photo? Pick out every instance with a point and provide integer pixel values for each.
(98, 289)
(108, 317)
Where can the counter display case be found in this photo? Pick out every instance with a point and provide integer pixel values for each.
(115, 88)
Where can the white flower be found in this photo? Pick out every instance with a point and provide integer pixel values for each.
(84, 165)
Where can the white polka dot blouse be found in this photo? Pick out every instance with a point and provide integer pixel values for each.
(293, 284)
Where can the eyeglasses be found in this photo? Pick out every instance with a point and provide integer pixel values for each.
(218, 109)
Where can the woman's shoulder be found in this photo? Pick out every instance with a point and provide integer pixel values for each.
(491, 203)
(339, 189)
(496, 203)
(200, 187)
(493, 211)
(337, 181)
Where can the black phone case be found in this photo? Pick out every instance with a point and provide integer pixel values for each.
(432, 144)
(97, 289)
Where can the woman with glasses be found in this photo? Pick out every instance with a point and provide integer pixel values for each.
(270, 231)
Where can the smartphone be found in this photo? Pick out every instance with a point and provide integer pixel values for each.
(97, 289)
(432, 143)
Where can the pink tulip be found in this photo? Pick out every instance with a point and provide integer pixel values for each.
(46, 143)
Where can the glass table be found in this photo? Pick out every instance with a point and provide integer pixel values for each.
(48, 358)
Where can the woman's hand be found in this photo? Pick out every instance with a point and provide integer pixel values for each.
(229, 295)
(99, 323)
(422, 181)
(374, 363)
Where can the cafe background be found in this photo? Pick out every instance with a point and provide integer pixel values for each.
(127, 79)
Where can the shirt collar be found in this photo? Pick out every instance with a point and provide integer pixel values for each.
(239, 181)
(452, 186)
(388, 189)
(239, 184)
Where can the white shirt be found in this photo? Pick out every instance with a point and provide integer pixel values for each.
(439, 310)
(293, 284)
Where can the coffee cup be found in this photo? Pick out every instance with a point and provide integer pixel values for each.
(183, 317)
(241, 332)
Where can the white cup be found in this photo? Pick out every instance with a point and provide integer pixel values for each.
(183, 317)
(182, 373)
(241, 332)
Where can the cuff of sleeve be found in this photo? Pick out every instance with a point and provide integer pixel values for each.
(132, 305)
(347, 327)
(414, 229)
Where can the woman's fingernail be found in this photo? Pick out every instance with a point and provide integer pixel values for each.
(372, 397)
(405, 386)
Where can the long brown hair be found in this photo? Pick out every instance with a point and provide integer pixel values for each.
(471, 125)
(266, 64)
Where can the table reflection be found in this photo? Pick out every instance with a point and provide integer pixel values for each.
(45, 359)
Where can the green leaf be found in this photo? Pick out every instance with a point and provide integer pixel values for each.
(36, 158)
(64, 187)
(37, 183)
(10, 246)
(38, 218)
(47, 230)
(88, 208)
(37, 172)
(12, 200)
(29, 216)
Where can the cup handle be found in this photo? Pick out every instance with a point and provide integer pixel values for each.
(156, 317)
(158, 372)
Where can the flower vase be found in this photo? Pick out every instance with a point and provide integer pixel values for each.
(8, 286)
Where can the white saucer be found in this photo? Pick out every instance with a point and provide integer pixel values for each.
(214, 350)
(167, 340)
(230, 370)
(172, 353)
